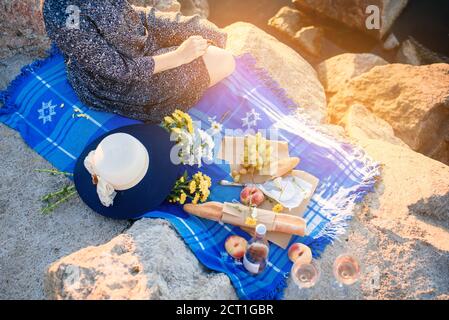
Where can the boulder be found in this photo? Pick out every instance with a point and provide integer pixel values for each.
(150, 261)
(109, 271)
(22, 28)
(285, 66)
(336, 72)
(360, 124)
(408, 54)
(414, 100)
(353, 13)
(310, 39)
(289, 21)
(414, 53)
(412, 198)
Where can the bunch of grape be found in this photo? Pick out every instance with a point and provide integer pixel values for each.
(256, 155)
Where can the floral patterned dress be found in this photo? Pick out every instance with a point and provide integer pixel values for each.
(109, 53)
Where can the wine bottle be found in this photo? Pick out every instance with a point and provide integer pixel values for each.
(256, 256)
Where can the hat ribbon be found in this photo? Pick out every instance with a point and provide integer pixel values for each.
(105, 190)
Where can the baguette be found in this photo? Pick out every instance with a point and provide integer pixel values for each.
(284, 223)
(209, 210)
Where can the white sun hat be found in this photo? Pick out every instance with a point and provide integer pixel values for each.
(118, 163)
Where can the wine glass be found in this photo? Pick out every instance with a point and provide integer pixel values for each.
(346, 270)
(305, 275)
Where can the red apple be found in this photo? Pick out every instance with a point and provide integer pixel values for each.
(299, 251)
(252, 195)
(236, 246)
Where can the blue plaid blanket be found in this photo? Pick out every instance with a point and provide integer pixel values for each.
(41, 104)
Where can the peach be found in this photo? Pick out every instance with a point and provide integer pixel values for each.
(236, 246)
(252, 195)
(299, 251)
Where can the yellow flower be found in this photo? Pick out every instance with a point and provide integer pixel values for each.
(178, 118)
(192, 187)
(190, 126)
(208, 181)
(196, 198)
(278, 208)
(205, 195)
(182, 198)
(179, 113)
(198, 175)
(250, 222)
(183, 115)
(169, 121)
(183, 119)
(182, 180)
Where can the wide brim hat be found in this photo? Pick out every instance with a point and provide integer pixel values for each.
(152, 189)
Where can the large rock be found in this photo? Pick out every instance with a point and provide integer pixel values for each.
(413, 187)
(22, 28)
(150, 261)
(285, 65)
(310, 39)
(360, 124)
(80, 276)
(289, 21)
(353, 13)
(336, 72)
(414, 100)
(414, 53)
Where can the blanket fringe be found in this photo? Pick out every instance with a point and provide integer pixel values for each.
(265, 77)
(338, 223)
(5, 96)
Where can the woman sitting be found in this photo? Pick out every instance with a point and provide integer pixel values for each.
(137, 62)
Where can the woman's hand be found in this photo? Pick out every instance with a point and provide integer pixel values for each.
(194, 47)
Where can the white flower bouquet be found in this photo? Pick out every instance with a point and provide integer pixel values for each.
(193, 144)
